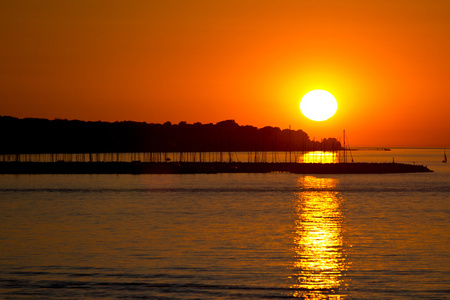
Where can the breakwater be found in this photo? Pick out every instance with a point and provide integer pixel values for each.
(204, 168)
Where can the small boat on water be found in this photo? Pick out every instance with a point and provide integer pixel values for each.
(445, 157)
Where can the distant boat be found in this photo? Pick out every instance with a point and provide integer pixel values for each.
(445, 157)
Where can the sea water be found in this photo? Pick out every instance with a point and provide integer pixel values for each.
(229, 236)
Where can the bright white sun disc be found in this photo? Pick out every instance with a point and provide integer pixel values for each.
(318, 105)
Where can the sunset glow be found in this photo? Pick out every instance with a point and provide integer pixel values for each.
(209, 61)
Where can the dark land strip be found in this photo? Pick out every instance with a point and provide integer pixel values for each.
(204, 168)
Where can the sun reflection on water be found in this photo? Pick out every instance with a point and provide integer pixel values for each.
(319, 157)
(320, 260)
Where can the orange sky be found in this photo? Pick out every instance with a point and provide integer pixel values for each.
(386, 62)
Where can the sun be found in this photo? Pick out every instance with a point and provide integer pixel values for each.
(318, 105)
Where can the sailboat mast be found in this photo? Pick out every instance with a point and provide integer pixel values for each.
(290, 144)
(345, 157)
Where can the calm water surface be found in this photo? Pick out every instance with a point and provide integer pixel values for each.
(229, 236)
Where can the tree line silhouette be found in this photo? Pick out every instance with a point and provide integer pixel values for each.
(33, 135)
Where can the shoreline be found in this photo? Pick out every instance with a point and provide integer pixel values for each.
(204, 168)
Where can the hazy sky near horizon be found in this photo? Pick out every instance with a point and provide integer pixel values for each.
(386, 62)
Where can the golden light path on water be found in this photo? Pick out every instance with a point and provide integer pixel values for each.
(320, 260)
(319, 157)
